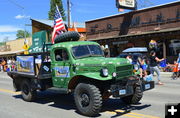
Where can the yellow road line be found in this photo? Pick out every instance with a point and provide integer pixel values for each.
(112, 112)
(147, 116)
(132, 115)
(9, 91)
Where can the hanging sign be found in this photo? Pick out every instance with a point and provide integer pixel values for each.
(126, 4)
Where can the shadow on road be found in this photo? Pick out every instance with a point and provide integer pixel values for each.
(64, 101)
(120, 108)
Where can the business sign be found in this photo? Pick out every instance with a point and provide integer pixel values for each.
(126, 4)
(38, 40)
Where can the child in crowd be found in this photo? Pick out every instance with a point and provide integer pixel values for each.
(178, 61)
(175, 70)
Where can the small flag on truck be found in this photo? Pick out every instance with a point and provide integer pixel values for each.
(59, 26)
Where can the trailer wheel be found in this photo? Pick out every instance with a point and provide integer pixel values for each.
(67, 36)
(88, 99)
(135, 98)
(27, 93)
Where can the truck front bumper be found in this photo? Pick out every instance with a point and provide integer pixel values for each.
(147, 85)
(122, 91)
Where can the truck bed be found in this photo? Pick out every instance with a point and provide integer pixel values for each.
(14, 74)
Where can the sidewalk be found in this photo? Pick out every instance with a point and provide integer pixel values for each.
(166, 73)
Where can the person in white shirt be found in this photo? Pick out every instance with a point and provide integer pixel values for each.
(129, 57)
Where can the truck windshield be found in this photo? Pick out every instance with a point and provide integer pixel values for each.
(87, 51)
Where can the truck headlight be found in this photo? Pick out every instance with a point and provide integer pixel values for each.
(114, 74)
(104, 72)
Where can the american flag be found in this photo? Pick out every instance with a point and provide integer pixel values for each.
(58, 24)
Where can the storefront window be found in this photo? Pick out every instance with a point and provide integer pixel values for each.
(174, 47)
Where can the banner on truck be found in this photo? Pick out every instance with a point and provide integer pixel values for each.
(25, 64)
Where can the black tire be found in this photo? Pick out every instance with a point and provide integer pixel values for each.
(27, 93)
(67, 36)
(135, 98)
(15, 85)
(88, 99)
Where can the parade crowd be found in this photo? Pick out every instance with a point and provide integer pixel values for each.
(144, 62)
(7, 65)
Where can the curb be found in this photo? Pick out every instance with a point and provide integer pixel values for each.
(166, 73)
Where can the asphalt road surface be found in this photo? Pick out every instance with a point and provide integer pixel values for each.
(53, 105)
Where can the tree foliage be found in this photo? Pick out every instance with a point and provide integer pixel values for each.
(53, 4)
(22, 33)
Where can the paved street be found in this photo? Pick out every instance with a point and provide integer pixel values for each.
(51, 105)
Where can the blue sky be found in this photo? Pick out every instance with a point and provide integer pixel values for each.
(13, 17)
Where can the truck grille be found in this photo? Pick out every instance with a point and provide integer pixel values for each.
(124, 74)
(124, 71)
(124, 68)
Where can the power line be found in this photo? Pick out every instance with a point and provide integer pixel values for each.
(15, 3)
(23, 10)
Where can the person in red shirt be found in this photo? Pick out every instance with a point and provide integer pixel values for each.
(175, 70)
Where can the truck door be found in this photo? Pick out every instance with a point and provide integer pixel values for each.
(60, 67)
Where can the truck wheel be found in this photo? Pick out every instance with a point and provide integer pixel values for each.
(88, 99)
(67, 36)
(16, 86)
(135, 98)
(27, 93)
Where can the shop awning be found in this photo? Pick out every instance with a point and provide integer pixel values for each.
(11, 52)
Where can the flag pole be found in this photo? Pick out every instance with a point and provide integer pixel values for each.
(69, 13)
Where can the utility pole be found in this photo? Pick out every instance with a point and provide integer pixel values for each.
(69, 12)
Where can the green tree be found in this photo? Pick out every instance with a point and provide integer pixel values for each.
(22, 33)
(53, 4)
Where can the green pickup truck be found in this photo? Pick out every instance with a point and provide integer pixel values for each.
(78, 67)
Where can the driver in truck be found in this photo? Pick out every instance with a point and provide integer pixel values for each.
(64, 55)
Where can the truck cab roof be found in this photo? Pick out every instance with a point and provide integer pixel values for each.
(74, 43)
